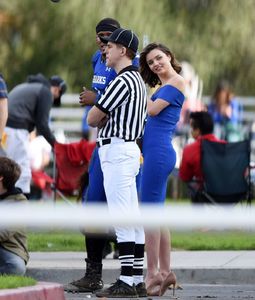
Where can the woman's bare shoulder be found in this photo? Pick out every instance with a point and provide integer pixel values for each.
(178, 82)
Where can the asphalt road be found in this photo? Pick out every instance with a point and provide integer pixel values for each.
(195, 292)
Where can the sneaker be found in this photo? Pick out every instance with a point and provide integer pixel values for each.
(141, 289)
(119, 289)
(84, 285)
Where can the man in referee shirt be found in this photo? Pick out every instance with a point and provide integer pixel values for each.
(120, 115)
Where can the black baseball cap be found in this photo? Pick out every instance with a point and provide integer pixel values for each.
(107, 24)
(122, 36)
(56, 80)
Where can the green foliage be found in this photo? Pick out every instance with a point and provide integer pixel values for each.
(216, 36)
(13, 281)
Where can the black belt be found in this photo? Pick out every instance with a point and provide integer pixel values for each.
(108, 141)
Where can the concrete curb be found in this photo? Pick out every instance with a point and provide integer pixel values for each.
(184, 275)
(41, 291)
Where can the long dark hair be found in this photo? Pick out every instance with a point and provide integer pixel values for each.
(148, 76)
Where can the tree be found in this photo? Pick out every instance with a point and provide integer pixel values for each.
(42, 36)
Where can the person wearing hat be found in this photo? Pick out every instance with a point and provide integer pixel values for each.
(29, 105)
(102, 75)
(120, 116)
(94, 192)
(58, 88)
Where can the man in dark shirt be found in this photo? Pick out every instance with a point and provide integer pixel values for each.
(29, 107)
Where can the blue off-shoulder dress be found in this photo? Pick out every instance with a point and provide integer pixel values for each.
(158, 152)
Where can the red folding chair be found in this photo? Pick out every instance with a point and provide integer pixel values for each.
(71, 161)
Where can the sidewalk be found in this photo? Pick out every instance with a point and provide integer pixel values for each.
(41, 291)
(199, 267)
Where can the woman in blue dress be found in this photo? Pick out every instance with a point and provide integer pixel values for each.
(159, 67)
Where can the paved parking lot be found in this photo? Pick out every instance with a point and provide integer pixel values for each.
(195, 292)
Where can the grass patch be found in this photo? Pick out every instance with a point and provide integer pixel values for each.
(13, 281)
(209, 240)
(56, 241)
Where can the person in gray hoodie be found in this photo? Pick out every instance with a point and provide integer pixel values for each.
(29, 106)
(13, 242)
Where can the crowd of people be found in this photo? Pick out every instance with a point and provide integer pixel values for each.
(130, 125)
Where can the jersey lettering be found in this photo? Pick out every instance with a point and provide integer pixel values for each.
(99, 79)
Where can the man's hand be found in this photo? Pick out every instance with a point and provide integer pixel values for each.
(87, 97)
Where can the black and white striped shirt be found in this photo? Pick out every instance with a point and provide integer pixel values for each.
(125, 102)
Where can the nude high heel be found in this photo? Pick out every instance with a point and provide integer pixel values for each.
(170, 279)
(154, 283)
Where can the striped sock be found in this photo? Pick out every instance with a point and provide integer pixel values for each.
(126, 258)
(138, 263)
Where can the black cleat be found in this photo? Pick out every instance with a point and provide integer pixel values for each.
(119, 289)
(141, 289)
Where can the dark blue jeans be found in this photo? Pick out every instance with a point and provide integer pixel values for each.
(11, 263)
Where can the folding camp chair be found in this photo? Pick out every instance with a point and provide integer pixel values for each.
(226, 172)
(71, 161)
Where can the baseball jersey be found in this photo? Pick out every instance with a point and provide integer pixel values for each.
(103, 75)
